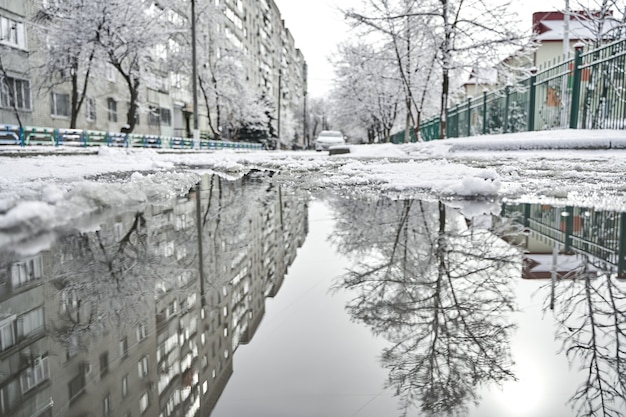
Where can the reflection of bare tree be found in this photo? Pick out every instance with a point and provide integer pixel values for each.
(438, 291)
(592, 318)
(108, 278)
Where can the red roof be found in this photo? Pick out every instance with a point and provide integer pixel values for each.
(539, 17)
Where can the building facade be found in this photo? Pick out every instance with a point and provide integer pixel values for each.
(270, 64)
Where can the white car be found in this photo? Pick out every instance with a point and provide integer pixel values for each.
(328, 138)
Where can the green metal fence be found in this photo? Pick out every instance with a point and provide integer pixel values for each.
(587, 91)
(31, 135)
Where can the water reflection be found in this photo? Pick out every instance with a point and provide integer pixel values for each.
(141, 316)
(584, 254)
(439, 290)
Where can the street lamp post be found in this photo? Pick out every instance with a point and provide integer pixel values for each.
(194, 76)
(280, 93)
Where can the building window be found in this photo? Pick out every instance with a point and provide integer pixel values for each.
(7, 333)
(124, 348)
(35, 375)
(15, 93)
(111, 72)
(26, 271)
(106, 405)
(144, 403)
(143, 367)
(166, 116)
(125, 386)
(154, 116)
(30, 323)
(60, 105)
(112, 109)
(142, 332)
(12, 32)
(9, 397)
(104, 364)
(77, 385)
(91, 109)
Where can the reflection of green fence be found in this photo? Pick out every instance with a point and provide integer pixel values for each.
(584, 92)
(601, 235)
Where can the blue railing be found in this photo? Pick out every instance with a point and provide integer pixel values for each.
(43, 136)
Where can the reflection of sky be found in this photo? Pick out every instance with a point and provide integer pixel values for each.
(545, 381)
(308, 359)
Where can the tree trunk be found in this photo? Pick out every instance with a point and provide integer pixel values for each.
(416, 129)
(444, 104)
(74, 105)
(131, 116)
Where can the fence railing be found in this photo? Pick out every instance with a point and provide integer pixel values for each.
(587, 91)
(43, 136)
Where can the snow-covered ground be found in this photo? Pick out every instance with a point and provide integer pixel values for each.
(46, 186)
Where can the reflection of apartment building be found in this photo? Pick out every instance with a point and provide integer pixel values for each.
(116, 322)
(273, 64)
(25, 356)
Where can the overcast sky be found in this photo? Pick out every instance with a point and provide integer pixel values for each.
(317, 27)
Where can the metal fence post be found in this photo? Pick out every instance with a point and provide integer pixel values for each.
(507, 91)
(569, 228)
(469, 116)
(458, 112)
(484, 112)
(578, 61)
(621, 263)
(532, 96)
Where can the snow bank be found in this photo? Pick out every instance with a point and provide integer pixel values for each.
(39, 191)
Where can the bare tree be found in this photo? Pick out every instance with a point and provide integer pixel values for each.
(132, 34)
(366, 88)
(458, 34)
(10, 92)
(67, 29)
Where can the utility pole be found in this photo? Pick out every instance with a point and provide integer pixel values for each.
(194, 76)
(280, 93)
(305, 139)
(564, 99)
(566, 17)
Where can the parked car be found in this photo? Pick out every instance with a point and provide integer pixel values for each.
(328, 138)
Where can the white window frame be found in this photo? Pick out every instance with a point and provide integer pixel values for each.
(144, 403)
(142, 332)
(15, 91)
(90, 105)
(110, 72)
(32, 322)
(55, 109)
(25, 271)
(143, 366)
(13, 33)
(7, 327)
(35, 375)
(112, 109)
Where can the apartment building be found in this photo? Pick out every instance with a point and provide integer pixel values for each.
(270, 61)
